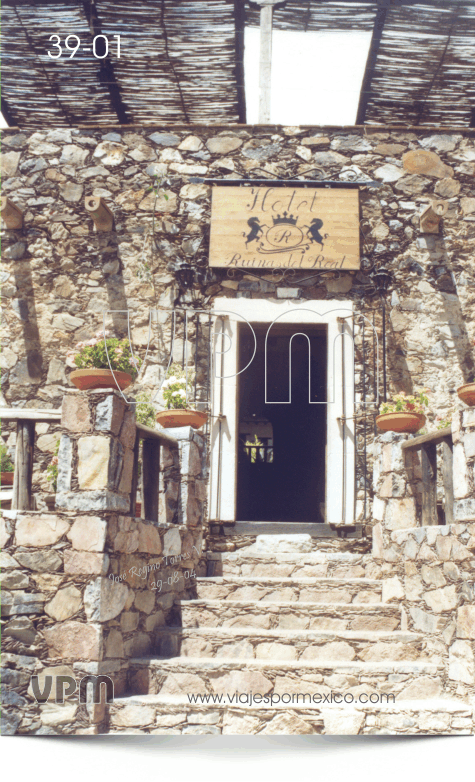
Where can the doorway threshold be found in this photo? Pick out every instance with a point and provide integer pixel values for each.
(315, 530)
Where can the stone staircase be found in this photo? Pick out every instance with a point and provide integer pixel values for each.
(301, 628)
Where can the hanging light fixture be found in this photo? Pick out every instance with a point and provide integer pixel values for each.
(381, 279)
(185, 275)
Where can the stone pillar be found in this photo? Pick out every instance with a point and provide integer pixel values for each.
(95, 459)
(463, 434)
(394, 483)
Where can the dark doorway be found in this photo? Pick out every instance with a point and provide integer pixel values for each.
(281, 462)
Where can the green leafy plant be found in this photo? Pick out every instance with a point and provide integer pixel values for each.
(404, 403)
(174, 388)
(6, 463)
(52, 469)
(144, 410)
(93, 354)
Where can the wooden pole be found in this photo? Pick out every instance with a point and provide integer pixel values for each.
(429, 484)
(22, 481)
(150, 473)
(265, 59)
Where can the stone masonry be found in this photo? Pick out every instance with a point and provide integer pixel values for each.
(86, 589)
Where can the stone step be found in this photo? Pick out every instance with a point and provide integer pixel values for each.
(407, 680)
(160, 714)
(289, 615)
(324, 590)
(281, 644)
(268, 544)
(288, 565)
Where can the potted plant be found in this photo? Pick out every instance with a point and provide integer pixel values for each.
(467, 392)
(95, 363)
(404, 414)
(179, 412)
(7, 466)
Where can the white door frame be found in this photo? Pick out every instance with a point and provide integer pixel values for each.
(339, 491)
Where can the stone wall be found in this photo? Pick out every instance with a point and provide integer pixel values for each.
(428, 571)
(59, 275)
(86, 588)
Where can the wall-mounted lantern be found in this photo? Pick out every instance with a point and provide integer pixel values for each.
(431, 216)
(381, 279)
(11, 214)
(100, 213)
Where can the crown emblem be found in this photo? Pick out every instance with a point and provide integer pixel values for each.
(286, 218)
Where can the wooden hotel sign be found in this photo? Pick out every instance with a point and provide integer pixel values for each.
(285, 227)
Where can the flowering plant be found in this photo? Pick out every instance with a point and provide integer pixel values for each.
(93, 355)
(52, 469)
(403, 403)
(174, 388)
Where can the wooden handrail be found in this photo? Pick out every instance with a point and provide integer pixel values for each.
(433, 437)
(427, 445)
(146, 433)
(29, 414)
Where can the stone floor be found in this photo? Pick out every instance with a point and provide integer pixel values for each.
(289, 618)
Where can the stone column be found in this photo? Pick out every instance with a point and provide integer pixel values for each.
(95, 458)
(463, 434)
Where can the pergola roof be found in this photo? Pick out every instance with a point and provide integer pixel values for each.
(182, 60)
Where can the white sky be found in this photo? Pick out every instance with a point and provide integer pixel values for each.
(316, 77)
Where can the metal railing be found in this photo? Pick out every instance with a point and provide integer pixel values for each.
(427, 445)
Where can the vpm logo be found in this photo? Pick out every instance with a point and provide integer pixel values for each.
(67, 685)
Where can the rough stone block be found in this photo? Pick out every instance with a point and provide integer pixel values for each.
(75, 413)
(392, 590)
(464, 510)
(466, 622)
(65, 464)
(92, 500)
(128, 430)
(144, 601)
(110, 414)
(88, 533)
(444, 599)
(104, 599)
(149, 540)
(85, 563)
(400, 514)
(40, 530)
(18, 602)
(74, 640)
(65, 603)
(172, 542)
(93, 462)
(461, 662)
(42, 561)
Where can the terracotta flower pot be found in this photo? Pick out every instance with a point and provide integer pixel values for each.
(171, 418)
(88, 379)
(401, 422)
(467, 394)
(7, 478)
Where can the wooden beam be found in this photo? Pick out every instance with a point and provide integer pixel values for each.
(22, 481)
(135, 477)
(265, 59)
(429, 484)
(379, 22)
(433, 437)
(106, 69)
(29, 414)
(146, 433)
(448, 478)
(150, 479)
(239, 22)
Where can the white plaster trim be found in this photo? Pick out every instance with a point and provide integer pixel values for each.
(225, 392)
